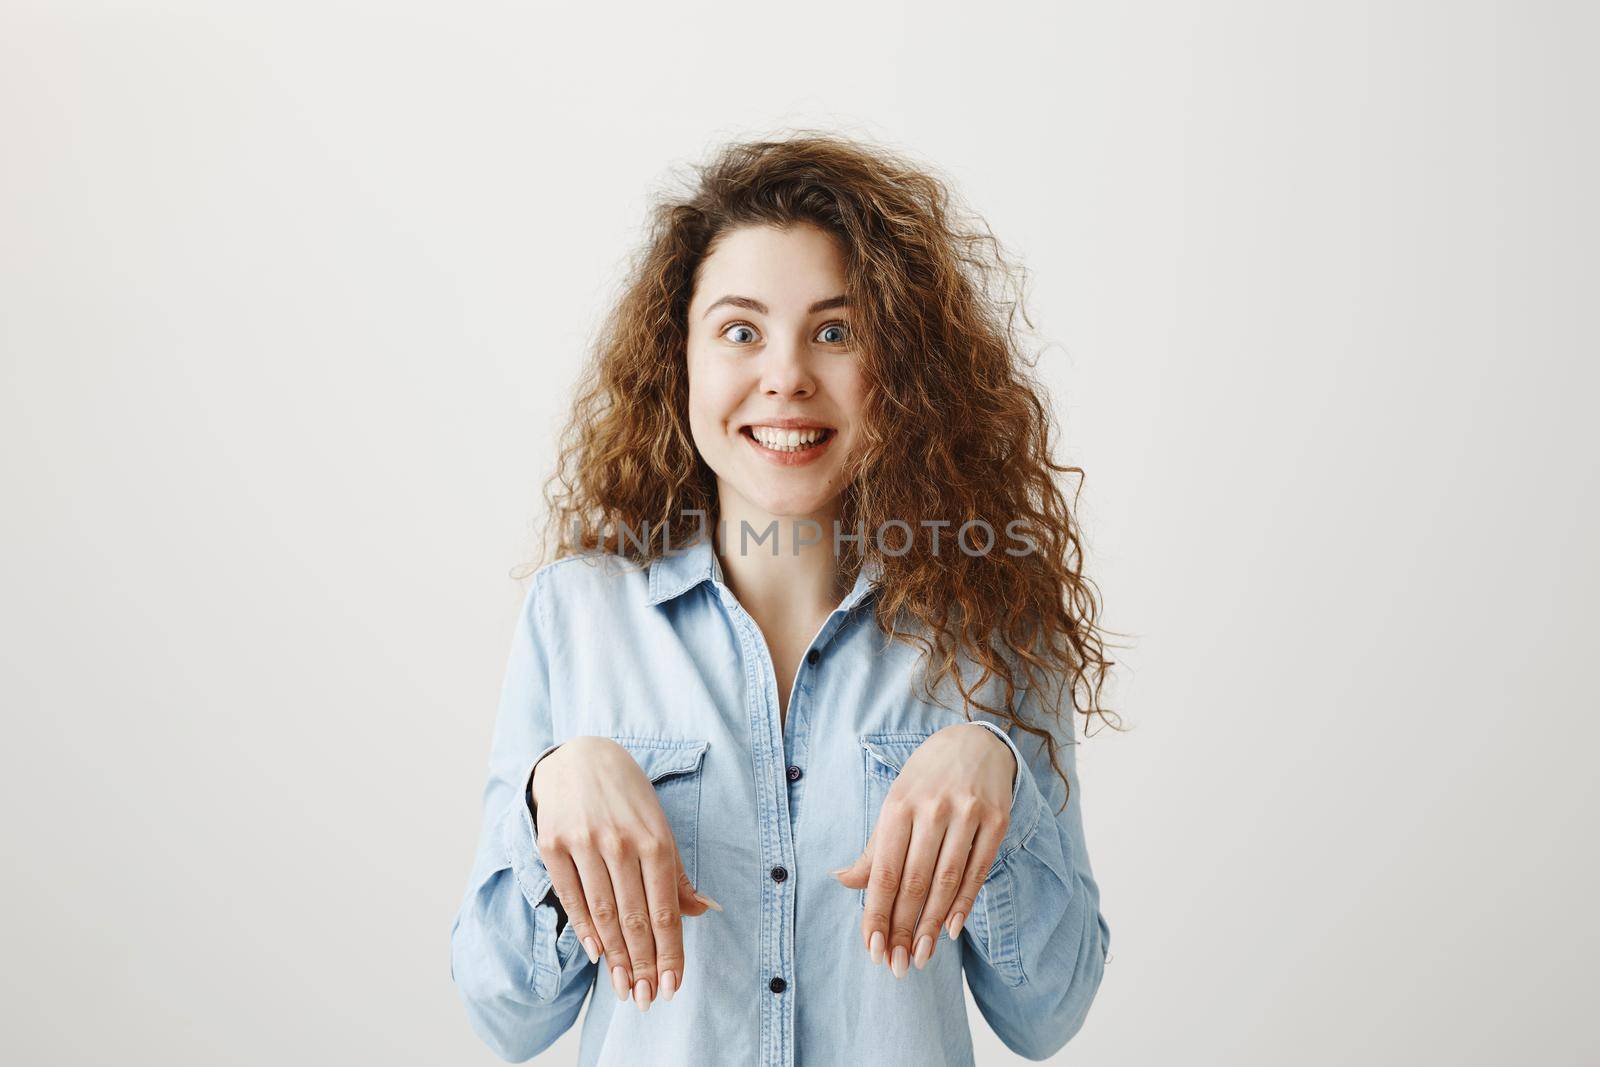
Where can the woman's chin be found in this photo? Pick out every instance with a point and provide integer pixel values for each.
(790, 507)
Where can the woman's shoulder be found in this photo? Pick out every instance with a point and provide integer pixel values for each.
(590, 582)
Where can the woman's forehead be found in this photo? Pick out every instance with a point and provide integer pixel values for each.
(786, 270)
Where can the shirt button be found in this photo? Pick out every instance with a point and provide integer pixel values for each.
(813, 656)
(777, 985)
(794, 773)
(778, 874)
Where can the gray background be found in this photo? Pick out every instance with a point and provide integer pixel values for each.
(292, 296)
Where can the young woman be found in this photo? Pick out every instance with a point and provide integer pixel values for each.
(782, 750)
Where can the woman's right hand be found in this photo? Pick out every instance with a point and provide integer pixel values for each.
(614, 864)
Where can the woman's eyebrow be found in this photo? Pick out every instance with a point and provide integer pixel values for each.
(761, 309)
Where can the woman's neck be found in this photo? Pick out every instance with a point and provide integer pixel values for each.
(791, 572)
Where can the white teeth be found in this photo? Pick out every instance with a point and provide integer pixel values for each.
(780, 440)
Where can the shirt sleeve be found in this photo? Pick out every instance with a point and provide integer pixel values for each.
(1035, 946)
(522, 979)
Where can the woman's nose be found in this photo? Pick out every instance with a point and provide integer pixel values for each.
(785, 372)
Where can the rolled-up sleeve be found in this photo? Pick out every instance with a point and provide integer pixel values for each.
(521, 980)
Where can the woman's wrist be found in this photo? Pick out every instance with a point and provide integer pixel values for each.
(997, 739)
(528, 796)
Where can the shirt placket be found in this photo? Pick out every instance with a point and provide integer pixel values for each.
(777, 844)
(774, 776)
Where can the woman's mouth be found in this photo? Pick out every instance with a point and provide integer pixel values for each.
(789, 446)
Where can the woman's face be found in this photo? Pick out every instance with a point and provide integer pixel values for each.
(775, 387)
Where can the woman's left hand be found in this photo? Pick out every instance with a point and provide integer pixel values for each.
(936, 838)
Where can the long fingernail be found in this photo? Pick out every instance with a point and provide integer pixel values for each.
(669, 985)
(707, 901)
(955, 925)
(641, 994)
(619, 981)
(899, 965)
(924, 950)
(592, 949)
(876, 946)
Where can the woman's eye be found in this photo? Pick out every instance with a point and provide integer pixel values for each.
(742, 333)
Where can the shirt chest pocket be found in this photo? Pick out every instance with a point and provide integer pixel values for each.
(675, 769)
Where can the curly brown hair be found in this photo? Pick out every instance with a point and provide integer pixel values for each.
(955, 426)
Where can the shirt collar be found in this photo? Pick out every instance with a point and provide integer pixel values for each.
(685, 567)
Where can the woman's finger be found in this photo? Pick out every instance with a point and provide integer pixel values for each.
(984, 847)
(602, 902)
(660, 866)
(690, 900)
(569, 892)
(948, 871)
(927, 833)
(892, 835)
(633, 913)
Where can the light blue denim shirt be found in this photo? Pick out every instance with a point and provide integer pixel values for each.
(665, 661)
